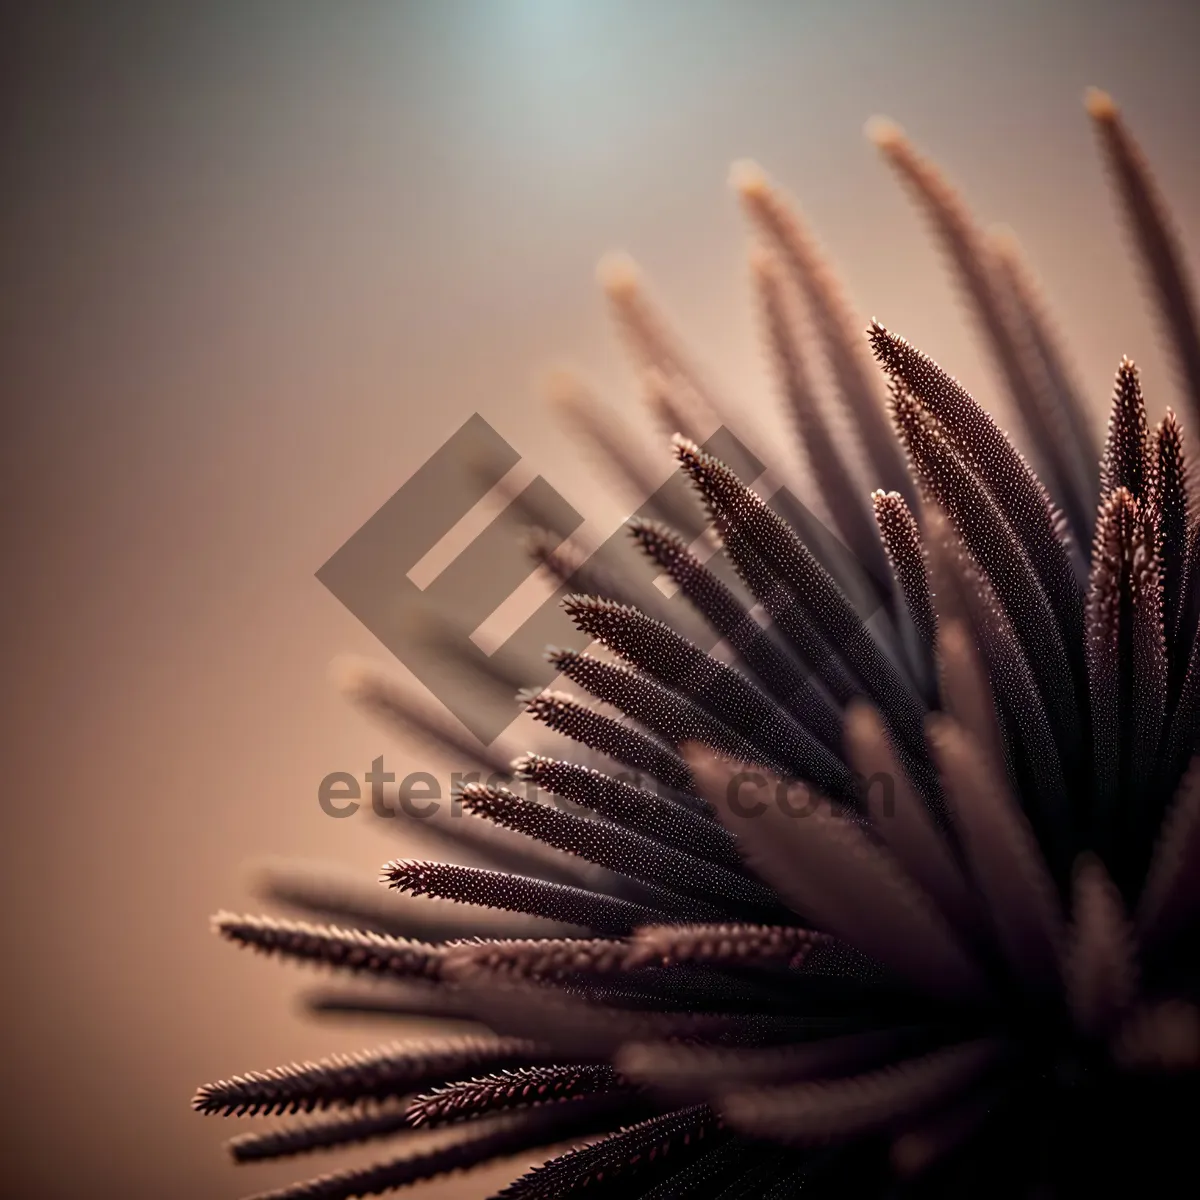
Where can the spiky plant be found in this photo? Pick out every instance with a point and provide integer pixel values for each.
(858, 906)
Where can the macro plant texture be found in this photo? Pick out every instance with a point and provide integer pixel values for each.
(726, 962)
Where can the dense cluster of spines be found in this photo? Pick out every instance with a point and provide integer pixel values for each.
(618, 740)
(899, 880)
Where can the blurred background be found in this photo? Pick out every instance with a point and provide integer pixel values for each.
(260, 261)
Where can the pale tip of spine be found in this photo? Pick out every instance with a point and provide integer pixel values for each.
(749, 180)
(1099, 104)
(221, 922)
(619, 275)
(352, 676)
(884, 133)
(523, 765)
(562, 386)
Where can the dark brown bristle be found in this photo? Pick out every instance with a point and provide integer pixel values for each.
(348, 949)
(1170, 509)
(515, 893)
(1126, 461)
(1158, 248)
(906, 554)
(524, 1088)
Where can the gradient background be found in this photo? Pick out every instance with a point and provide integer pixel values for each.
(259, 261)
